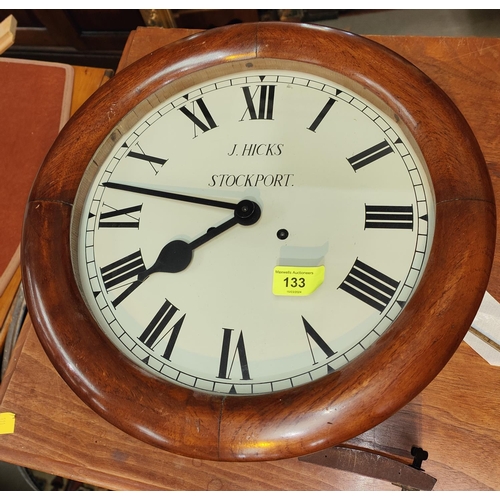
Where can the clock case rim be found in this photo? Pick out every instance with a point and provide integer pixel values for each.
(330, 410)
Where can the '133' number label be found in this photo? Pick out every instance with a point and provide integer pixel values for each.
(297, 281)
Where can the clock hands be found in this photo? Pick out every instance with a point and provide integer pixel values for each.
(176, 255)
(170, 195)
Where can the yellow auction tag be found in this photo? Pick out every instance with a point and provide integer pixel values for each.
(297, 281)
(7, 422)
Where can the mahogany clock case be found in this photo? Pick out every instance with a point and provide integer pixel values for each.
(322, 413)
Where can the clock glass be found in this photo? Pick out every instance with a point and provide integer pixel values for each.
(252, 227)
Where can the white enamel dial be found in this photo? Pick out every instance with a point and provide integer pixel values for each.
(338, 185)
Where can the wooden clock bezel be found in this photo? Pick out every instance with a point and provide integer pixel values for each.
(328, 411)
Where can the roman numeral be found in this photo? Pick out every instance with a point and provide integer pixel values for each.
(227, 360)
(206, 125)
(264, 102)
(389, 217)
(156, 331)
(153, 161)
(119, 272)
(322, 114)
(369, 285)
(120, 218)
(370, 155)
(312, 334)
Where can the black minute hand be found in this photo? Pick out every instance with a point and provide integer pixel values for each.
(170, 195)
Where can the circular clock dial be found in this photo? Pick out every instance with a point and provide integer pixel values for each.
(254, 231)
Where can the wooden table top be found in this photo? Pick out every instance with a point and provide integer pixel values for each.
(455, 418)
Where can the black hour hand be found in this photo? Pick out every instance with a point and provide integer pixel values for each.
(176, 255)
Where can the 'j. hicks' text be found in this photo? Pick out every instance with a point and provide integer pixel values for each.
(256, 150)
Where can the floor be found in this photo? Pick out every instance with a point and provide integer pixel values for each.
(436, 22)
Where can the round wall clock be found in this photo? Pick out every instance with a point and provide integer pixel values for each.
(258, 241)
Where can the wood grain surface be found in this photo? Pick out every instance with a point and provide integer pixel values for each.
(455, 418)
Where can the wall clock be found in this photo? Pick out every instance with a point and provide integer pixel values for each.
(258, 241)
